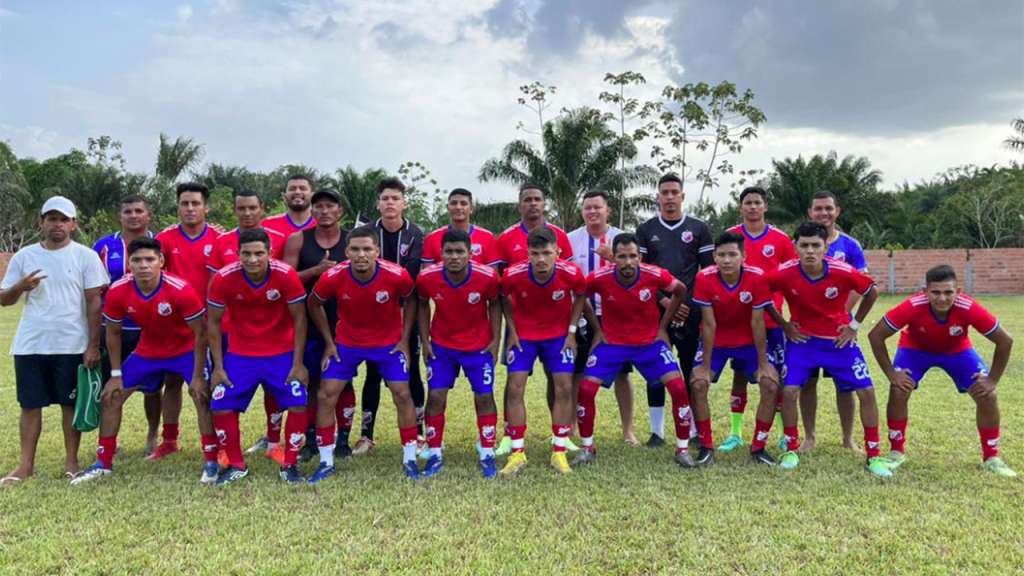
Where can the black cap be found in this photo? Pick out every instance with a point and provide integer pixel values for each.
(329, 193)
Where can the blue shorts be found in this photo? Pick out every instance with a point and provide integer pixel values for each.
(775, 347)
(846, 366)
(147, 374)
(744, 361)
(392, 367)
(247, 373)
(961, 367)
(550, 352)
(443, 369)
(652, 360)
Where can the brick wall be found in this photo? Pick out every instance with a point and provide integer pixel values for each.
(5, 257)
(993, 271)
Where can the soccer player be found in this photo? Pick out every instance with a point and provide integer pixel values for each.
(632, 332)
(733, 330)
(298, 215)
(934, 328)
(464, 333)
(592, 250)
(134, 218)
(682, 244)
(822, 335)
(265, 300)
(170, 316)
(376, 312)
(825, 211)
(313, 252)
(460, 208)
(543, 301)
(764, 247)
(63, 283)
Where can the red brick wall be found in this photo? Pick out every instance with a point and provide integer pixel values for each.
(5, 257)
(994, 271)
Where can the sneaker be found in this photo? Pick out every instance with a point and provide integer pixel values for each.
(323, 472)
(879, 466)
(276, 454)
(165, 449)
(705, 457)
(516, 462)
(763, 457)
(342, 451)
(259, 446)
(783, 446)
(95, 471)
(561, 464)
(569, 445)
(309, 452)
(504, 447)
(583, 457)
(210, 472)
(363, 445)
(230, 475)
(731, 443)
(655, 441)
(411, 469)
(683, 458)
(488, 467)
(896, 459)
(994, 465)
(422, 448)
(789, 460)
(222, 459)
(291, 475)
(433, 466)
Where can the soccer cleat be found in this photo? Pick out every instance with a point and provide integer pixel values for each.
(879, 466)
(342, 451)
(309, 452)
(411, 469)
(583, 457)
(95, 471)
(276, 454)
(222, 458)
(896, 459)
(488, 467)
(210, 471)
(569, 445)
(230, 475)
(164, 449)
(363, 445)
(291, 475)
(783, 446)
(705, 457)
(994, 465)
(683, 458)
(655, 441)
(433, 466)
(422, 448)
(763, 457)
(516, 462)
(323, 472)
(789, 460)
(504, 447)
(260, 446)
(561, 464)
(731, 443)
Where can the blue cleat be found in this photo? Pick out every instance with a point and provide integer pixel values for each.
(433, 466)
(210, 472)
(323, 472)
(488, 468)
(291, 475)
(230, 475)
(411, 469)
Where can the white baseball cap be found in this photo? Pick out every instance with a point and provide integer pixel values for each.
(60, 204)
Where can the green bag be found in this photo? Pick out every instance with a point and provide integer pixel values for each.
(87, 398)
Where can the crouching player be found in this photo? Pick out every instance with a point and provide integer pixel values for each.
(934, 335)
(268, 336)
(733, 330)
(463, 333)
(822, 335)
(631, 332)
(170, 315)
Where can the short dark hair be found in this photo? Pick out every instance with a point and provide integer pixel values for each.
(810, 229)
(754, 190)
(461, 192)
(390, 183)
(192, 187)
(596, 194)
(823, 194)
(454, 235)
(541, 237)
(300, 176)
(670, 177)
(940, 273)
(248, 194)
(729, 238)
(363, 232)
(144, 243)
(253, 235)
(532, 186)
(623, 239)
(134, 199)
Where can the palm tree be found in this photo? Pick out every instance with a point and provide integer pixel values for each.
(173, 158)
(794, 182)
(358, 191)
(1016, 142)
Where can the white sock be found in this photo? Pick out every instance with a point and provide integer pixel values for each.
(435, 452)
(272, 445)
(485, 452)
(409, 452)
(682, 444)
(518, 444)
(327, 455)
(587, 442)
(657, 415)
(559, 441)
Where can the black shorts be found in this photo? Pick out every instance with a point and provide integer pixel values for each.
(584, 340)
(45, 379)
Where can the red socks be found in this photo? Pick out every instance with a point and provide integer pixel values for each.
(170, 433)
(586, 408)
(871, 442)
(487, 428)
(408, 435)
(325, 437)
(561, 433)
(680, 407)
(792, 434)
(208, 442)
(761, 430)
(704, 431)
(435, 430)
(274, 417)
(295, 433)
(898, 435)
(105, 451)
(738, 402)
(989, 442)
(229, 437)
(518, 436)
(345, 409)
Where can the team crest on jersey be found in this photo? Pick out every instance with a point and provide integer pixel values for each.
(841, 256)
(476, 249)
(382, 296)
(558, 295)
(130, 310)
(474, 297)
(403, 249)
(746, 297)
(768, 250)
(831, 292)
(645, 295)
(164, 309)
(686, 236)
(956, 330)
(273, 294)
(207, 249)
(218, 393)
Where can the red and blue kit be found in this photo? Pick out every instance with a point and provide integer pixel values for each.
(283, 224)
(541, 313)
(512, 247)
(225, 249)
(483, 246)
(186, 257)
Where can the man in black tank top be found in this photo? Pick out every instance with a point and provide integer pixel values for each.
(312, 252)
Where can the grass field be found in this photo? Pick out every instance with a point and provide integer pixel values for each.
(634, 512)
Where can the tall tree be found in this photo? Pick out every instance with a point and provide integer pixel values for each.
(1016, 141)
(794, 181)
(627, 110)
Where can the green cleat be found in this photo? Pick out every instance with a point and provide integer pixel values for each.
(504, 447)
(879, 466)
(731, 443)
(789, 460)
(896, 459)
(996, 466)
(783, 446)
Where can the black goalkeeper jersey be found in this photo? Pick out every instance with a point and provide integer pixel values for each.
(682, 247)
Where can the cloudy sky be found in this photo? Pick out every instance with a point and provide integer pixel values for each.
(916, 86)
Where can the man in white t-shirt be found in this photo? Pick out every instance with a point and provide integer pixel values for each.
(63, 282)
(591, 250)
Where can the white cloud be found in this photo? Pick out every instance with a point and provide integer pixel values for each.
(184, 13)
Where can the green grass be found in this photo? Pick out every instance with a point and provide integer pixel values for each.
(633, 512)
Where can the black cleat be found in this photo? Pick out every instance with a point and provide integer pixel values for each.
(763, 457)
(307, 453)
(683, 459)
(655, 441)
(705, 457)
(342, 451)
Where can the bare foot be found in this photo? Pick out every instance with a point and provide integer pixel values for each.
(15, 477)
(629, 437)
(808, 444)
(71, 469)
(150, 444)
(852, 446)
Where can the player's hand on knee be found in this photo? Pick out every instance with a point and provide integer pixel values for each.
(330, 351)
(700, 376)
(299, 372)
(220, 377)
(983, 387)
(112, 390)
(768, 374)
(902, 381)
(198, 389)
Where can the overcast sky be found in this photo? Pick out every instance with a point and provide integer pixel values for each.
(916, 86)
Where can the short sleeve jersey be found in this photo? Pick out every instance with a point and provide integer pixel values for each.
(225, 249)
(631, 315)
(819, 305)
(483, 248)
(542, 311)
(186, 257)
(370, 312)
(261, 324)
(923, 331)
(113, 252)
(512, 248)
(845, 249)
(283, 224)
(767, 251)
(163, 314)
(584, 254)
(461, 319)
(734, 305)
(681, 247)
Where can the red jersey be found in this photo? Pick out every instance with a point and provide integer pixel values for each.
(630, 314)
(369, 313)
(186, 257)
(923, 331)
(734, 305)
(225, 249)
(163, 314)
(542, 311)
(483, 248)
(261, 324)
(767, 251)
(282, 223)
(512, 249)
(819, 306)
(461, 320)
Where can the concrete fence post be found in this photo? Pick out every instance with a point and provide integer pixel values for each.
(970, 273)
(892, 273)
